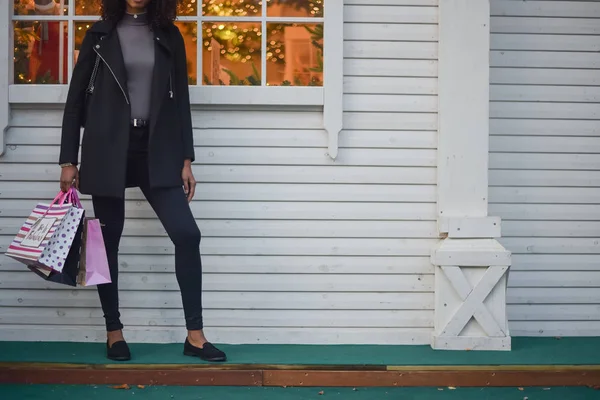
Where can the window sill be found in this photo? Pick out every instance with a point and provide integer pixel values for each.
(199, 95)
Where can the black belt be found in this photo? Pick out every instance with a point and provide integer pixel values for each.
(140, 123)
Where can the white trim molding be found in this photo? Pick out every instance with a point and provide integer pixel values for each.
(199, 95)
(6, 68)
(333, 73)
(470, 265)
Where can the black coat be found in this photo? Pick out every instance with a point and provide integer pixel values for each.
(108, 115)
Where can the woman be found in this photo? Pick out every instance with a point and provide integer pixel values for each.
(138, 133)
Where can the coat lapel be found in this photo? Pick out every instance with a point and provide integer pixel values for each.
(109, 49)
(161, 75)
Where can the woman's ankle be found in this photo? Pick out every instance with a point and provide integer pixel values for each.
(114, 337)
(196, 338)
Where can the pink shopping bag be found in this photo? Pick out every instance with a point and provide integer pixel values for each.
(93, 266)
(48, 242)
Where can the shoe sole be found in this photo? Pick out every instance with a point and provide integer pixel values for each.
(214, 359)
(119, 358)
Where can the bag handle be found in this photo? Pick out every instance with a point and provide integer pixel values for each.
(73, 197)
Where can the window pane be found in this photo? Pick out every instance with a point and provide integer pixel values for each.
(41, 7)
(187, 7)
(40, 52)
(189, 30)
(231, 53)
(295, 54)
(232, 8)
(81, 28)
(88, 7)
(295, 8)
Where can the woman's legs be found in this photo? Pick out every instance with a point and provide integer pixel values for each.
(173, 210)
(111, 213)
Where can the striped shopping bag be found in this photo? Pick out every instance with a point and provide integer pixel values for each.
(49, 241)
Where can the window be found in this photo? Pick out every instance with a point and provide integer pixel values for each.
(257, 44)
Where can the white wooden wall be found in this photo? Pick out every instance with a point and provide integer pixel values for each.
(544, 161)
(297, 248)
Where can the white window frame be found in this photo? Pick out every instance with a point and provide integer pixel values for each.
(328, 96)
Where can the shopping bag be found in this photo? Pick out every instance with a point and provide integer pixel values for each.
(49, 241)
(93, 265)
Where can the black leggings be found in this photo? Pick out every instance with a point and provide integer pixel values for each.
(173, 210)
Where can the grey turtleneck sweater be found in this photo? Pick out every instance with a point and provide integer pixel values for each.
(137, 45)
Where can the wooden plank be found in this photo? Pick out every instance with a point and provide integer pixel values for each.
(224, 318)
(389, 85)
(368, 3)
(548, 195)
(414, 377)
(544, 161)
(265, 155)
(547, 212)
(540, 144)
(550, 229)
(554, 312)
(554, 26)
(282, 174)
(292, 138)
(558, 279)
(533, 42)
(271, 264)
(391, 50)
(553, 295)
(274, 228)
(392, 15)
(390, 103)
(247, 282)
(391, 68)
(541, 127)
(265, 210)
(545, 178)
(555, 262)
(390, 121)
(563, 94)
(156, 334)
(278, 246)
(212, 300)
(562, 9)
(544, 59)
(556, 328)
(76, 376)
(545, 110)
(393, 32)
(309, 377)
(543, 76)
(259, 192)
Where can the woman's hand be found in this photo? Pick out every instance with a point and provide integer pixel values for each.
(68, 176)
(189, 182)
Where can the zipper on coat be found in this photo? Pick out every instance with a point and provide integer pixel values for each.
(113, 74)
(170, 85)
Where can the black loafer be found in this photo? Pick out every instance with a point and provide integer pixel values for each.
(207, 353)
(119, 351)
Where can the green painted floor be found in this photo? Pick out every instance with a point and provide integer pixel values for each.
(526, 351)
(56, 392)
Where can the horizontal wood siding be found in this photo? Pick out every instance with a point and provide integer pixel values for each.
(544, 161)
(297, 248)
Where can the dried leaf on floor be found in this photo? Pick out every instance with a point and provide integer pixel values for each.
(141, 387)
(521, 389)
(451, 388)
(123, 387)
